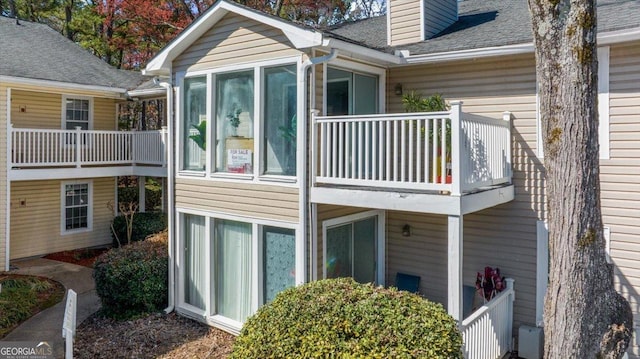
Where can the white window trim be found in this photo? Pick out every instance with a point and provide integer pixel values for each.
(257, 224)
(63, 227)
(542, 264)
(603, 107)
(63, 115)
(358, 68)
(209, 173)
(380, 259)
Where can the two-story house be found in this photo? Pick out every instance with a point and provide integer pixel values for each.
(295, 160)
(60, 147)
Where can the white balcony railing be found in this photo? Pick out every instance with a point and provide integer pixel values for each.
(66, 148)
(405, 150)
(487, 332)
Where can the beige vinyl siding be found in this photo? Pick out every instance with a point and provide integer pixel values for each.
(233, 40)
(620, 175)
(504, 236)
(438, 15)
(252, 200)
(405, 21)
(3, 177)
(44, 110)
(36, 226)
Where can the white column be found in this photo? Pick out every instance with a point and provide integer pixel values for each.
(454, 268)
(141, 193)
(456, 149)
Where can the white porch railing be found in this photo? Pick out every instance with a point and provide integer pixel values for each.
(487, 332)
(405, 150)
(65, 148)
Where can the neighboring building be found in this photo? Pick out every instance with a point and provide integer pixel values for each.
(279, 197)
(62, 151)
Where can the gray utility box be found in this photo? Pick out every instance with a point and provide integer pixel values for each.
(530, 342)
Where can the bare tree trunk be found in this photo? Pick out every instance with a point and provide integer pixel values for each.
(584, 317)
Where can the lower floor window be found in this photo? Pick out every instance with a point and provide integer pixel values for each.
(230, 267)
(76, 206)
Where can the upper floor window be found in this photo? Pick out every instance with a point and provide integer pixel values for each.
(77, 112)
(351, 93)
(252, 115)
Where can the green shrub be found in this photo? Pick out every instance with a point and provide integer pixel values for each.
(339, 318)
(132, 280)
(144, 225)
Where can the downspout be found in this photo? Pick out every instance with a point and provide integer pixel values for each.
(170, 183)
(304, 203)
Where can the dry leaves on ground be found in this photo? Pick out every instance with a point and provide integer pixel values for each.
(154, 336)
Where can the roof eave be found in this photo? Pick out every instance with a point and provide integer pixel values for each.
(604, 38)
(115, 92)
(362, 52)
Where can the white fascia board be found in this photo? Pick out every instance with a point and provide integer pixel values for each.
(361, 52)
(84, 172)
(148, 93)
(160, 64)
(605, 38)
(468, 54)
(109, 91)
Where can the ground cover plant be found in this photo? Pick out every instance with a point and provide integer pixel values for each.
(339, 318)
(23, 296)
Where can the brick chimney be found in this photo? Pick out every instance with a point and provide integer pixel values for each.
(411, 21)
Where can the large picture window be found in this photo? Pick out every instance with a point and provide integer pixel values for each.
(195, 124)
(234, 122)
(280, 120)
(229, 267)
(76, 206)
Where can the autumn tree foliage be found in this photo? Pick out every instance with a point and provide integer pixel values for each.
(584, 316)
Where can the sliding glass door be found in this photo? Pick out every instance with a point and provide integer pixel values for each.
(351, 250)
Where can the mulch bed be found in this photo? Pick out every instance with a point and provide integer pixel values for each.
(154, 336)
(84, 257)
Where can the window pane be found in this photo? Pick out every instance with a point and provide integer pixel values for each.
(234, 122)
(194, 261)
(339, 249)
(195, 123)
(76, 206)
(280, 120)
(233, 269)
(279, 262)
(365, 95)
(364, 249)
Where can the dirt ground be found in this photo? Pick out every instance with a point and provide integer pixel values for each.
(153, 336)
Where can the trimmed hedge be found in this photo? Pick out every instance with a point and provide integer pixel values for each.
(132, 280)
(144, 225)
(339, 318)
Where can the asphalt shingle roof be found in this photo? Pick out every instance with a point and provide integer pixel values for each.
(485, 23)
(35, 51)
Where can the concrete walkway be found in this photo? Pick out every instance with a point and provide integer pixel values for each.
(47, 325)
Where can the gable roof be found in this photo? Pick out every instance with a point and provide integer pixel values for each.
(486, 24)
(35, 51)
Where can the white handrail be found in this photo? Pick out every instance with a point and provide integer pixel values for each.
(404, 150)
(61, 148)
(487, 332)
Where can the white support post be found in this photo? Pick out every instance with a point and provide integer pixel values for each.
(454, 268)
(456, 147)
(78, 146)
(165, 133)
(142, 180)
(314, 146)
(506, 116)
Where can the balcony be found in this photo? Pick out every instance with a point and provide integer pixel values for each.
(52, 153)
(377, 157)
